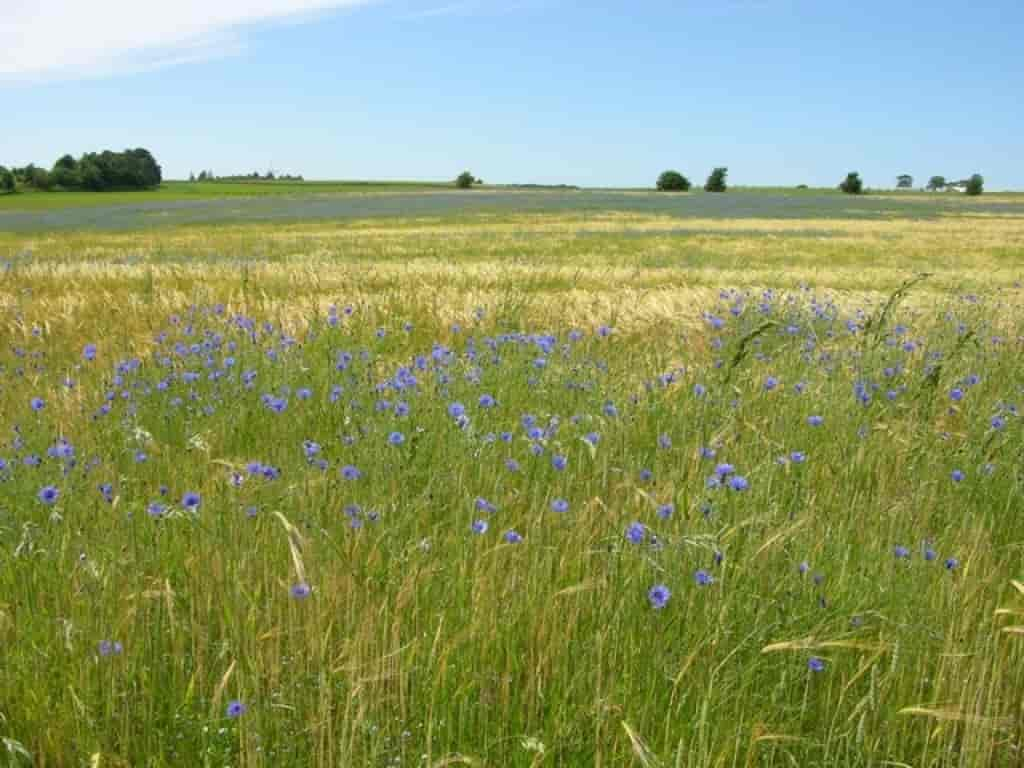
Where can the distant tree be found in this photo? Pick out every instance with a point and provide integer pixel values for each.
(6, 180)
(465, 180)
(802, 186)
(202, 176)
(904, 181)
(716, 181)
(66, 178)
(91, 175)
(975, 185)
(672, 181)
(41, 179)
(936, 183)
(852, 184)
(191, 176)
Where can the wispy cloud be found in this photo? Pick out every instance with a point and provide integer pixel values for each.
(72, 39)
(442, 10)
(470, 8)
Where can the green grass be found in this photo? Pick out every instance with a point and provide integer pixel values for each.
(424, 643)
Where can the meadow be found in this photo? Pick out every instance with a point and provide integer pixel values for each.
(513, 479)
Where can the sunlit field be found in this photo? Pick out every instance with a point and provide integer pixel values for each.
(568, 487)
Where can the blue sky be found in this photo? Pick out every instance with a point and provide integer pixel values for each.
(596, 93)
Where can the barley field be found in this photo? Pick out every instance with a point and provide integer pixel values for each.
(540, 480)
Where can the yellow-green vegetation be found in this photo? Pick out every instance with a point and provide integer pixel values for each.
(576, 488)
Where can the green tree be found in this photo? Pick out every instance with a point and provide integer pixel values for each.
(465, 180)
(716, 181)
(41, 179)
(6, 180)
(904, 181)
(975, 185)
(852, 184)
(672, 181)
(936, 183)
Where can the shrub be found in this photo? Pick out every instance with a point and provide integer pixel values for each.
(6, 180)
(975, 185)
(465, 180)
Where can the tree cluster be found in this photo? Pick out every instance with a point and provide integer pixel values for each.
(93, 171)
(974, 185)
(674, 181)
(254, 176)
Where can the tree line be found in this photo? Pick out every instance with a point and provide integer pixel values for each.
(93, 171)
(673, 181)
(254, 176)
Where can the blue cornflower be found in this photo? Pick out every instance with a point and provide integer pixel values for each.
(722, 470)
(645, 475)
(610, 410)
(396, 438)
(483, 505)
(140, 457)
(998, 422)
(592, 437)
(37, 404)
(511, 465)
(951, 563)
(706, 452)
(665, 510)
(901, 552)
(797, 457)
(512, 537)
(479, 526)
(559, 505)
(456, 410)
(957, 476)
(658, 596)
(738, 483)
(703, 578)
(348, 472)
(815, 421)
(956, 394)
(303, 393)
(929, 554)
(109, 648)
(191, 500)
(89, 352)
(636, 533)
(535, 433)
(49, 494)
(235, 709)
(559, 462)
(156, 509)
(804, 567)
(771, 383)
(301, 590)
(664, 442)
(486, 401)
(816, 664)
